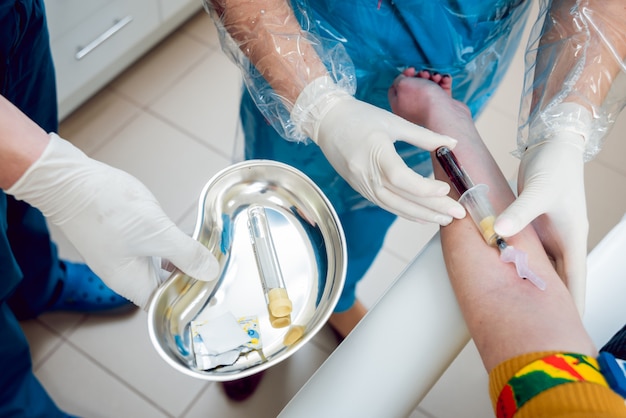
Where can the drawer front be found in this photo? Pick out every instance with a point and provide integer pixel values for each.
(65, 15)
(98, 44)
(169, 8)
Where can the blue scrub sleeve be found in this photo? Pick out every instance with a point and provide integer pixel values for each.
(365, 45)
(27, 79)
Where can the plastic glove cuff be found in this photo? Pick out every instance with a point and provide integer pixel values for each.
(314, 102)
(565, 122)
(45, 182)
(20, 187)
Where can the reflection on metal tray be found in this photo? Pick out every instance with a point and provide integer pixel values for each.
(310, 247)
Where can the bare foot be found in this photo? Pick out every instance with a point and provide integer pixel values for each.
(344, 322)
(444, 80)
(426, 99)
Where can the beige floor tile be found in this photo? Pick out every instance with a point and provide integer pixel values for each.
(278, 386)
(614, 149)
(326, 340)
(405, 239)
(41, 339)
(606, 200)
(81, 387)
(383, 272)
(63, 323)
(466, 382)
(124, 348)
(155, 73)
(172, 165)
(66, 250)
(97, 120)
(419, 413)
(201, 28)
(498, 132)
(205, 102)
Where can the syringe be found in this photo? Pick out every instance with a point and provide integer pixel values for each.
(474, 199)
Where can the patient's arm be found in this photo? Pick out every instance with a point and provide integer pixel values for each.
(506, 315)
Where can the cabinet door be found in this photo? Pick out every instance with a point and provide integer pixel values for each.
(100, 46)
(65, 15)
(170, 8)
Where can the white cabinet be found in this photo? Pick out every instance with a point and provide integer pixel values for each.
(94, 40)
(170, 8)
(64, 15)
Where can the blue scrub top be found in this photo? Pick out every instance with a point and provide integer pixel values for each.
(473, 41)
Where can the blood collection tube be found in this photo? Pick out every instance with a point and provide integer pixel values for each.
(473, 197)
(278, 303)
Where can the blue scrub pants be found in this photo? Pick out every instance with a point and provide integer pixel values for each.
(30, 272)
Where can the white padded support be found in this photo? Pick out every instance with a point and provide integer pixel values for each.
(385, 368)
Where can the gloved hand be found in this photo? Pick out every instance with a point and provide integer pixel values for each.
(357, 139)
(551, 192)
(112, 219)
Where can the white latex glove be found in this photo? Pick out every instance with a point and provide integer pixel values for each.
(112, 219)
(552, 193)
(357, 139)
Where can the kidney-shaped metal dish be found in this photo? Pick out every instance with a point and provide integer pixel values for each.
(310, 248)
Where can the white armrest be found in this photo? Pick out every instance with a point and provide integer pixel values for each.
(396, 354)
(386, 366)
(605, 307)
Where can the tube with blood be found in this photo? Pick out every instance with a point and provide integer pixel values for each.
(474, 199)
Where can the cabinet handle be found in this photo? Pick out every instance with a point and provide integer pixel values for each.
(118, 25)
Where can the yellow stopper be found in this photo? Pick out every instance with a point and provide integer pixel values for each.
(293, 335)
(280, 322)
(486, 226)
(279, 304)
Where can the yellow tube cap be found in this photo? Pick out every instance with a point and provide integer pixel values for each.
(293, 335)
(279, 304)
(280, 322)
(486, 227)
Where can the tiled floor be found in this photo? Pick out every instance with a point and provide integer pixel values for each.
(171, 121)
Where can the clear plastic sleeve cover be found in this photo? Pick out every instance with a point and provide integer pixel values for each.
(575, 72)
(275, 107)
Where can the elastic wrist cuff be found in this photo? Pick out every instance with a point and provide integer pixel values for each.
(52, 161)
(313, 103)
(567, 120)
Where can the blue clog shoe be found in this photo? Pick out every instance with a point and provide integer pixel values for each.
(84, 291)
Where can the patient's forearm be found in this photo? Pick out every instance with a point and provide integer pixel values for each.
(506, 315)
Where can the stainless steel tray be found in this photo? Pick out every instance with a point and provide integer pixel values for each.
(310, 247)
